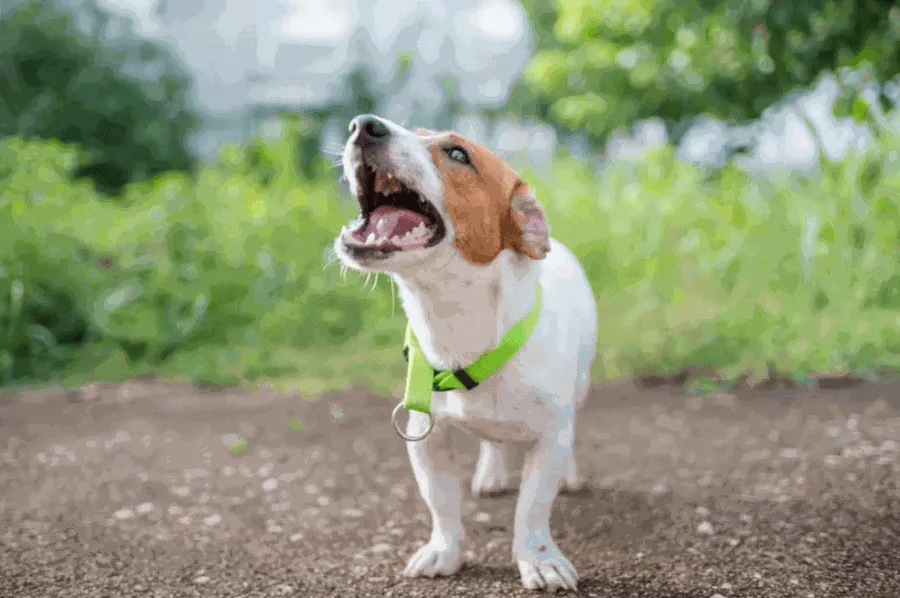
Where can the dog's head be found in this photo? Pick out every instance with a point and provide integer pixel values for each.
(423, 194)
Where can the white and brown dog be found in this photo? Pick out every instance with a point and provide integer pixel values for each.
(467, 243)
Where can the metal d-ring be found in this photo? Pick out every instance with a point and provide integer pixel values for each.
(402, 434)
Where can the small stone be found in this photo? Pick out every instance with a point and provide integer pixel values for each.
(482, 517)
(705, 529)
(145, 508)
(382, 547)
(229, 439)
(123, 514)
(270, 485)
(213, 519)
(284, 589)
(355, 513)
(201, 580)
(295, 537)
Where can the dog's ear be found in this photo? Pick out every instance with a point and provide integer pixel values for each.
(524, 226)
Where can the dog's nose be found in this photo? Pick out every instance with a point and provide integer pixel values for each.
(369, 129)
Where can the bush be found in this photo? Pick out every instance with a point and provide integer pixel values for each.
(735, 273)
(227, 277)
(124, 101)
(176, 265)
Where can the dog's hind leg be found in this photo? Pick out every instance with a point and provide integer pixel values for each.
(573, 482)
(492, 473)
(440, 483)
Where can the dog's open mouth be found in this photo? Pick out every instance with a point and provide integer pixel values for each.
(392, 216)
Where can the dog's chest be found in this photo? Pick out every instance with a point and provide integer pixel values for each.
(492, 413)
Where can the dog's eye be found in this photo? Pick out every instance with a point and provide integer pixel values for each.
(458, 154)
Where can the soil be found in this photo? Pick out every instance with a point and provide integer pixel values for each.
(139, 489)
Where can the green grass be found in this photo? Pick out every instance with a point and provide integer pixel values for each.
(227, 279)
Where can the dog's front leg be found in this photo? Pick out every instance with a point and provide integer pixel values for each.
(440, 484)
(541, 564)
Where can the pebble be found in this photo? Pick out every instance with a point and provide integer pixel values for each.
(229, 439)
(284, 589)
(705, 529)
(144, 508)
(202, 579)
(123, 514)
(270, 484)
(382, 547)
(213, 519)
(482, 517)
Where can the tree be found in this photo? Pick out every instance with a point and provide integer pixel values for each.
(124, 101)
(611, 62)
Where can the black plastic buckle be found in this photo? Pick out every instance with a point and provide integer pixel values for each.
(464, 377)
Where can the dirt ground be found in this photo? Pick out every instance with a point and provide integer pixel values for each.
(132, 490)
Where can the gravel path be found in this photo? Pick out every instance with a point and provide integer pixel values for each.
(132, 490)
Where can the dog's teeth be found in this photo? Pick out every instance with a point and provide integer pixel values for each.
(370, 239)
(379, 226)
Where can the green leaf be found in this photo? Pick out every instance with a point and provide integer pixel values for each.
(238, 447)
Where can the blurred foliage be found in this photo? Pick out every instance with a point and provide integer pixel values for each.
(603, 64)
(227, 276)
(84, 80)
(231, 258)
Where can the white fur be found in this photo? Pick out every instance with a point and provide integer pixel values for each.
(458, 311)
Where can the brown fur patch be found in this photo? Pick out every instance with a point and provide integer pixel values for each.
(491, 207)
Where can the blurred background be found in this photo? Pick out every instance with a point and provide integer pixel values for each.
(727, 171)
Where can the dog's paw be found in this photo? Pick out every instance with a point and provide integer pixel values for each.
(490, 482)
(434, 559)
(573, 482)
(573, 485)
(491, 472)
(546, 568)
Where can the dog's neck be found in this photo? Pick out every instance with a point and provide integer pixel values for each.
(460, 311)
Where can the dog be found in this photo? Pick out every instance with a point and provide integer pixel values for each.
(469, 248)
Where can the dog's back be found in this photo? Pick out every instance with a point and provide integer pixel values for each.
(570, 300)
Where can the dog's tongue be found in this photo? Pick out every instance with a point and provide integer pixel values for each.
(391, 221)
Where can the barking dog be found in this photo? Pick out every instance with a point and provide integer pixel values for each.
(470, 251)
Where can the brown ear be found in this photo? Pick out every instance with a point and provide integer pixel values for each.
(525, 228)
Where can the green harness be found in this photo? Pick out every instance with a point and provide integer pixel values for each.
(422, 379)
